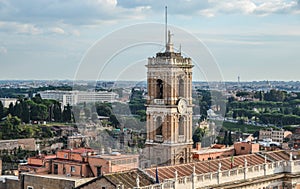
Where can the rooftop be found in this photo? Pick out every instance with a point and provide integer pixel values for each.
(128, 178)
(211, 150)
(168, 172)
(79, 150)
(114, 156)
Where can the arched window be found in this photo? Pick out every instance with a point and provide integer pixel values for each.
(181, 160)
(159, 89)
(181, 125)
(181, 88)
(158, 126)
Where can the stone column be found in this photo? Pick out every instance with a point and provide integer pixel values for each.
(265, 166)
(219, 173)
(245, 169)
(194, 178)
(176, 179)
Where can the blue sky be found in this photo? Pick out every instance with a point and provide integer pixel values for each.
(50, 39)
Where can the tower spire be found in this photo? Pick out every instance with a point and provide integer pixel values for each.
(169, 45)
(166, 25)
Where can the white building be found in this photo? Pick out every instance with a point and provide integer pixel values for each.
(7, 101)
(77, 97)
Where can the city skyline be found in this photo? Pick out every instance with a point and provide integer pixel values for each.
(255, 40)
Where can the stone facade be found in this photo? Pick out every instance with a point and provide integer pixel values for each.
(50, 182)
(169, 108)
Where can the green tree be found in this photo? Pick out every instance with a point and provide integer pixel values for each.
(10, 128)
(105, 109)
(11, 109)
(57, 112)
(275, 95)
(25, 112)
(67, 113)
(1, 110)
(39, 112)
(198, 135)
(225, 139)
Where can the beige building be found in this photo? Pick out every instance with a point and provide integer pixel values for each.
(274, 135)
(169, 108)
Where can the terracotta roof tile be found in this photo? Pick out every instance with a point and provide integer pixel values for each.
(168, 172)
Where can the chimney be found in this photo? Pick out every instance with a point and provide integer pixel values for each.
(198, 146)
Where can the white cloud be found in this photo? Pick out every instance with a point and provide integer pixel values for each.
(75, 33)
(20, 28)
(58, 30)
(3, 50)
(255, 7)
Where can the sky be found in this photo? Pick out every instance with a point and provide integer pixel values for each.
(112, 39)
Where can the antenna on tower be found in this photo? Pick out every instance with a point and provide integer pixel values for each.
(166, 25)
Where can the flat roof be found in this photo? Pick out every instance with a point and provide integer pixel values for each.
(11, 177)
(211, 150)
(111, 156)
(61, 177)
(79, 150)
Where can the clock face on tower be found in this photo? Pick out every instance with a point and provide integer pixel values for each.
(182, 106)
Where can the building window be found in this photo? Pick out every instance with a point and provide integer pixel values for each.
(103, 187)
(181, 126)
(55, 167)
(30, 187)
(181, 88)
(242, 148)
(159, 89)
(158, 126)
(99, 171)
(72, 169)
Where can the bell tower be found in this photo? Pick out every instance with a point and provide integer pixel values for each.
(169, 107)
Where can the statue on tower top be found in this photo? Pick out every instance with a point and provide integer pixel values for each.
(169, 45)
(169, 37)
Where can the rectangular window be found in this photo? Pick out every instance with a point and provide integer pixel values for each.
(98, 171)
(55, 171)
(30, 187)
(72, 169)
(242, 148)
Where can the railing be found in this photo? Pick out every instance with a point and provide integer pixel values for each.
(159, 138)
(159, 101)
(231, 175)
